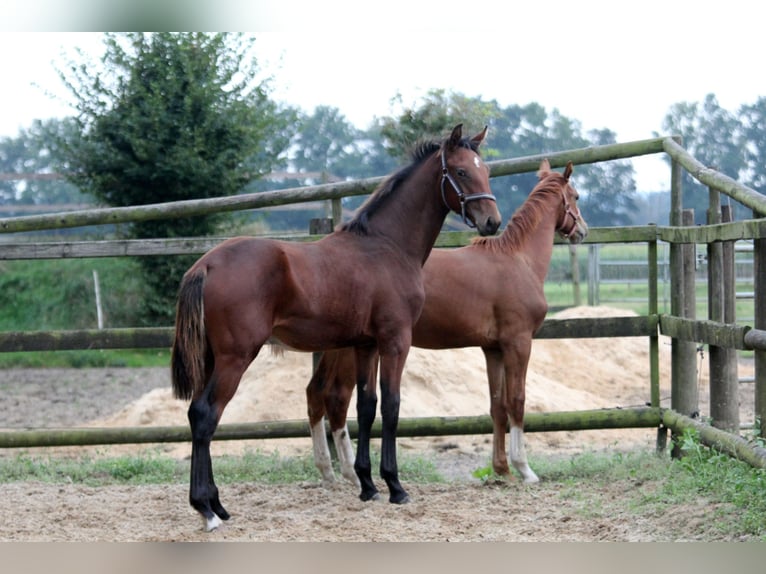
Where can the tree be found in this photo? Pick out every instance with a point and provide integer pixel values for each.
(713, 136)
(609, 188)
(325, 144)
(517, 131)
(169, 117)
(753, 118)
(31, 153)
(436, 115)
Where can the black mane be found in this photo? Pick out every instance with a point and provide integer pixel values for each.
(360, 221)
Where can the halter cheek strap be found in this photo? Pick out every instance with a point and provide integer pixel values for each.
(462, 197)
(566, 233)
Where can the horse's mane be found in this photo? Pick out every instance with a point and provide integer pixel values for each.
(359, 223)
(527, 217)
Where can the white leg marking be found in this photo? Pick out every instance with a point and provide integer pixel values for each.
(518, 455)
(212, 523)
(345, 455)
(322, 458)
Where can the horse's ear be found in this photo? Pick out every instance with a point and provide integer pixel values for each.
(568, 170)
(454, 138)
(544, 169)
(479, 138)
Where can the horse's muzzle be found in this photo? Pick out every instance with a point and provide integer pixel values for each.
(487, 226)
(579, 233)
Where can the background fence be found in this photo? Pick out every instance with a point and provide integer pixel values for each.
(675, 272)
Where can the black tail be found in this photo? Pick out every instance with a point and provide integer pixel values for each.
(190, 343)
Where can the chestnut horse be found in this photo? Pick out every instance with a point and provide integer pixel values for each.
(488, 294)
(361, 287)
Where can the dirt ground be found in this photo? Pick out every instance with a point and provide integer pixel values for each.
(563, 375)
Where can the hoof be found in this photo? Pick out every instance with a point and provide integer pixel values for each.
(211, 523)
(365, 497)
(400, 500)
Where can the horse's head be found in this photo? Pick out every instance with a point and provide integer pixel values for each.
(570, 224)
(465, 182)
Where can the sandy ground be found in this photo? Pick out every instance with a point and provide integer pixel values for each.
(563, 375)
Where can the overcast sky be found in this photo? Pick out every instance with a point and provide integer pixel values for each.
(615, 65)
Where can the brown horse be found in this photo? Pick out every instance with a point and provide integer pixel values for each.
(489, 295)
(361, 287)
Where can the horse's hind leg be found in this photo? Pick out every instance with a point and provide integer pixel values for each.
(498, 410)
(204, 413)
(337, 398)
(316, 410)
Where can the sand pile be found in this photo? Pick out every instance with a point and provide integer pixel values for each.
(563, 375)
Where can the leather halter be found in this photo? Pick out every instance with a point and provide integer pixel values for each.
(566, 232)
(462, 197)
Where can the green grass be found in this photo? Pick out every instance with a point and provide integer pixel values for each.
(153, 468)
(730, 491)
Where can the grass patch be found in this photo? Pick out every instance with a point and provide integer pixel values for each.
(724, 493)
(153, 468)
(143, 469)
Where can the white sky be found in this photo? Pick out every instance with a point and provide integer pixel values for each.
(615, 65)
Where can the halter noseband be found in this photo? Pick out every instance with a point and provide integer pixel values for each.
(462, 197)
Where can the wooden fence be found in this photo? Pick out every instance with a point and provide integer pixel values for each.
(719, 331)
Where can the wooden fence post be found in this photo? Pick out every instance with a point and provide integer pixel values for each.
(654, 345)
(575, 265)
(683, 391)
(724, 403)
(729, 296)
(759, 322)
(593, 274)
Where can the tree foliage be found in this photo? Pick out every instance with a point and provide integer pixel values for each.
(31, 153)
(753, 120)
(714, 136)
(517, 131)
(169, 117)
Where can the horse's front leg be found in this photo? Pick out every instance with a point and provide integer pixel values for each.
(516, 360)
(391, 368)
(366, 406)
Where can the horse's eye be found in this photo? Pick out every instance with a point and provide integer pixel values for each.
(461, 172)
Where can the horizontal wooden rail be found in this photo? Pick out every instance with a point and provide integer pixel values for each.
(162, 337)
(734, 231)
(85, 339)
(707, 176)
(169, 246)
(579, 156)
(729, 443)
(642, 417)
(701, 331)
(748, 229)
(596, 327)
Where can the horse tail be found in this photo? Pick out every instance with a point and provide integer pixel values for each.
(190, 348)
